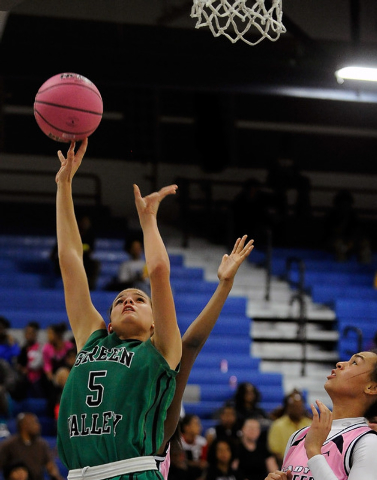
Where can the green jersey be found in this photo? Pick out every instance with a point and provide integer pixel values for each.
(114, 403)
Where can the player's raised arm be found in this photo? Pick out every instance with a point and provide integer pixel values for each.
(166, 337)
(83, 317)
(198, 332)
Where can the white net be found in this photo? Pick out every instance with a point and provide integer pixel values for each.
(233, 18)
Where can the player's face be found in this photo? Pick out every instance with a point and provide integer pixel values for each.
(354, 376)
(131, 315)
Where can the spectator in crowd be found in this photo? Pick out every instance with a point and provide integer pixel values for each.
(10, 379)
(255, 461)
(226, 428)
(294, 417)
(221, 455)
(246, 400)
(194, 445)
(9, 348)
(56, 349)
(28, 447)
(133, 272)
(30, 362)
(59, 380)
(54, 353)
(344, 232)
(179, 469)
(17, 471)
(92, 265)
(284, 175)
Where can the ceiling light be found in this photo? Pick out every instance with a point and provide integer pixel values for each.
(356, 73)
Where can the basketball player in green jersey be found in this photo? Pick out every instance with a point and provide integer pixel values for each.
(115, 400)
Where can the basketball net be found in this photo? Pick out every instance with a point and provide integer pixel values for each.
(219, 15)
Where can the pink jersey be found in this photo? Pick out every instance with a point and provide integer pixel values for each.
(163, 462)
(337, 450)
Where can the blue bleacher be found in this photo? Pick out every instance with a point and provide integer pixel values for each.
(30, 291)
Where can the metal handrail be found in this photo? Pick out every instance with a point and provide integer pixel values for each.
(299, 297)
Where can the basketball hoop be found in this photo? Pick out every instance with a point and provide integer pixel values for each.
(219, 15)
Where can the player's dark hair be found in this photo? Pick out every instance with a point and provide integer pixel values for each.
(372, 410)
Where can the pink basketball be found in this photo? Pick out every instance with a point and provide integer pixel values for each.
(68, 107)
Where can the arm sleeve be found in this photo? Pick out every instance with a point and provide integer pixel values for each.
(364, 462)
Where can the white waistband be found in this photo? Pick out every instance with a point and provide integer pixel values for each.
(114, 469)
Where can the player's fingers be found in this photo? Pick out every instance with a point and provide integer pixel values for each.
(61, 156)
(168, 190)
(71, 149)
(315, 412)
(81, 151)
(248, 248)
(137, 193)
(235, 247)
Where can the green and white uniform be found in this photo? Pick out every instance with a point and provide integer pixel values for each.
(114, 403)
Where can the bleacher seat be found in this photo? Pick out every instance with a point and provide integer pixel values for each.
(235, 324)
(212, 376)
(328, 294)
(32, 292)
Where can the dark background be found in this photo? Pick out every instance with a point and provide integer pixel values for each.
(168, 87)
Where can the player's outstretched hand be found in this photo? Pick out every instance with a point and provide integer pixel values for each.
(230, 263)
(148, 206)
(70, 165)
(318, 430)
(278, 475)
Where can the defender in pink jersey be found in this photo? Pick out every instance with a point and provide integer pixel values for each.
(339, 445)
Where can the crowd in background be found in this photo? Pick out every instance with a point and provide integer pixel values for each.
(34, 369)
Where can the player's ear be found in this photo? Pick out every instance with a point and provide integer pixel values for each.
(110, 328)
(371, 388)
(152, 329)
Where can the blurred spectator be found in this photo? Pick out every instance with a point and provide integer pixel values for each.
(30, 361)
(344, 233)
(226, 428)
(255, 460)
(294, 417)
(28, 447)
(92, 265)
(193, 445)
(56, 349)
(59, 380)
(246, 401)
(133, 272)
(221, 455)
(17, 471)
(10, 379)
(9, 348)
(179, 469)
(284, 175)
